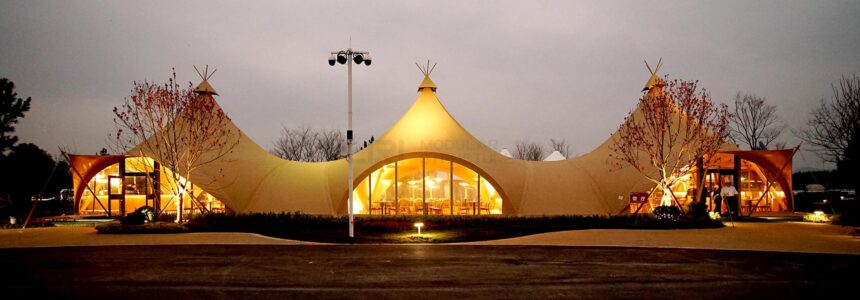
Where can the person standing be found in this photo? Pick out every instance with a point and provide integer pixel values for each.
(730, 193)
(717, 198)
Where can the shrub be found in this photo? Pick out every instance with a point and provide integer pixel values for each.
(848, 218)
(144, 214)
(667, 213)
(697, 209)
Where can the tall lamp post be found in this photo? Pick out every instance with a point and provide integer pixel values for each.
(347, 57)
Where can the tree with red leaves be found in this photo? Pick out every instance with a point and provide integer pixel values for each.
(181, 129)
(669, 132)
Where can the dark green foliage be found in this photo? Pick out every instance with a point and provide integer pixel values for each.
(849, 167)
(25, 172)
(667, 213)
(375, 229)
(457, 228)
(12, 108)
(830, 179)
(144, 214)
(848, 218)
(697, 209)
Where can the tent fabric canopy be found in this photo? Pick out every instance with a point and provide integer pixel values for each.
(775, 163)
(250, 179)
(85, 167)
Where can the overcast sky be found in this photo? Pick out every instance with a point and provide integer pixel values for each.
(507, 71)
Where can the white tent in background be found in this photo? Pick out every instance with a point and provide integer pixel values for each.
(554, 156)
(506, 153)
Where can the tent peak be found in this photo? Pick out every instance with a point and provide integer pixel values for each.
(654, 81)
(204, 88)
(427, 83)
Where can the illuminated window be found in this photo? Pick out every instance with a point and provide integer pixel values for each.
(425, 186)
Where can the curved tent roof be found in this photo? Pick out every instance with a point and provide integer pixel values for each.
(251, 179)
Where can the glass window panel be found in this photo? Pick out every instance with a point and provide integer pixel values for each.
(410, 173)
(115, 185)
(138, 165)
(438, 185)
(136, 185)
(383, 186)
(465, 190)
(491, 201)
(360, 198)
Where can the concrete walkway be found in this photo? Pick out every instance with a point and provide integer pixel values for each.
(87, 236)
(776, 236)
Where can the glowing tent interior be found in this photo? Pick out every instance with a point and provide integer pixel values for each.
(426, 163)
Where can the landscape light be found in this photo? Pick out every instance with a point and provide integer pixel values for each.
(419, 225)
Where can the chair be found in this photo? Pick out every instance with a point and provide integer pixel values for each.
(375, 207)
(404, 206)
(467, 207)
(485, 207)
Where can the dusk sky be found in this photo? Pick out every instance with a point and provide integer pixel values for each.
(507, 71)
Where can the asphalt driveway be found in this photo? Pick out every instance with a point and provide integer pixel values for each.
(418, 271)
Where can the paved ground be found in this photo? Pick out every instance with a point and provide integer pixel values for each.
(774, 236)
(418, 271)
(777, 236)
(87, 236)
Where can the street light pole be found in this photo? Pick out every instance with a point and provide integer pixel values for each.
(347, 57)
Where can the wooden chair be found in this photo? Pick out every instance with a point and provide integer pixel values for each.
(467, 207)
(485, 207)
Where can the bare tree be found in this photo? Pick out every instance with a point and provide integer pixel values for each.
(561, 146)
(835, 124)
(670, 132)
(529, 151)
(297, 144)
(755, 123)
(181, 129)
(331, 145)
(304, 143)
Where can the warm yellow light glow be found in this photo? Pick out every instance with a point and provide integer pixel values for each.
(714, 215)
(464, 184)
(419, 225)
(817, 217)
(357, 205)
(490, 190)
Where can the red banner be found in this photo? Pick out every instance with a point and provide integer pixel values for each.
(638, 197)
